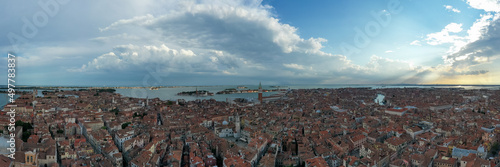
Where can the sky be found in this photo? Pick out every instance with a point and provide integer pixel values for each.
(238, 42)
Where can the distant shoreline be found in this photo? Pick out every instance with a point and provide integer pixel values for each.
(148, 87)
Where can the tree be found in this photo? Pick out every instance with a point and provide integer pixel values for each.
(124, 125)
(494, 148)
(115, 110)
(60, 131)
(25, 125)
(25, 136)
(139, 115)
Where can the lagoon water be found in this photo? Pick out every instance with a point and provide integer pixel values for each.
(4, 99)
(171, 93)
(4, 145)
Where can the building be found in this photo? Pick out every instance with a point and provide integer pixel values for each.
(26, 159)
(442, 107)
(413, 131)
(396, 111)
(5, 161)
(237, 134)
(316, 162)
(395, 143)
(445, 162)
(358, 141)
(459, 152)
(123, 135)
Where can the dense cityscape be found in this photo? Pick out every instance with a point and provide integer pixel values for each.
(250, 83)
(301, 127)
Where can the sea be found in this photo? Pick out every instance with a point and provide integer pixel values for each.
(4, 99)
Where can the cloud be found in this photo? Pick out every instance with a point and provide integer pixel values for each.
(479, 27)
(448, 35)
(123, 36)
(444, 36)
(486, 5)
(227, 37)
(135, 20)
(128, 57)
(294, 66)
(389, 51)
(238, 38)
(481, 50)
(450, 8)
(416, 42)
(479, 72)
(389, 71)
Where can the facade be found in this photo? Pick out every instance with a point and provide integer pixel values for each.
(358, 141)
(395, 143)
(123, 135)
(445, 162)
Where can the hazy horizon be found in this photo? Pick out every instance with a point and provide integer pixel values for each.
(268, 85)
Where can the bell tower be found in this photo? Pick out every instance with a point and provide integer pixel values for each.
(260, 92)
(238, 126)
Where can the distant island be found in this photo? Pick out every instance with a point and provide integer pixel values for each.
(196, 93)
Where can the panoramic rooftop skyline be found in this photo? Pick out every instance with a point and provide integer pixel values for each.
(152, 43)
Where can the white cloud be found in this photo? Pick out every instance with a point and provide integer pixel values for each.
(416, 42)
(127, 57)
(479, 49)
(453, 27)
(486, 5)
(479, 27)
(294, 66)
(240, 39)
(444, 36)
(389, 51)
(123, 36)
(450, 8)
(232, 36)
(483, 45)
(135, 20)
(474, 33)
